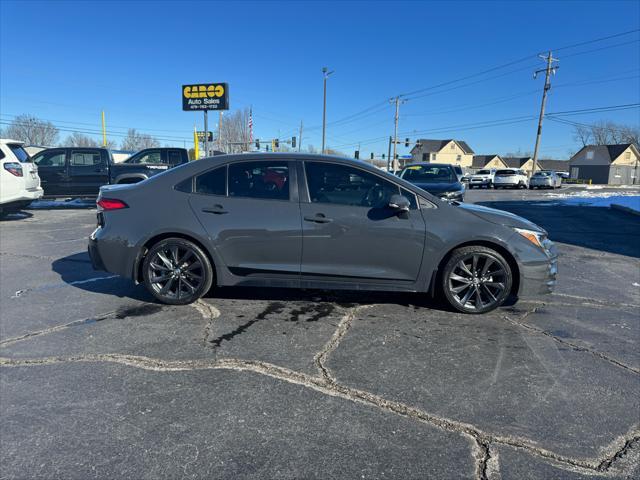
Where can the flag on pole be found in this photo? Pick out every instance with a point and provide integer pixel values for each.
(251, 125)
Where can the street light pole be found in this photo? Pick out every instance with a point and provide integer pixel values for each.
(325, 75)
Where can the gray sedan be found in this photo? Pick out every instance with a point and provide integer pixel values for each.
(310, 221)
(545, 179)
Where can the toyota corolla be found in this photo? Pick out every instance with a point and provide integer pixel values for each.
(312, 221)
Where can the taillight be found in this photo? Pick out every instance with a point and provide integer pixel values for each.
(111, 204)
(13, 168)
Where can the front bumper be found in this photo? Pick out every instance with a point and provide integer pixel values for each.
(540, 277)
(480, 181)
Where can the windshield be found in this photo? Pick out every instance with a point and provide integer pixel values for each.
(542, 174)
(429, 173)
(20, 153)
(484, 172)
(505, 172)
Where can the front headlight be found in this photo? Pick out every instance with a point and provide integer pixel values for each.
(455, 193)
(537, 238)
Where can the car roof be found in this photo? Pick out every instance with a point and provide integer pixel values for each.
(196, 166)
(428, 164)
(5, 141)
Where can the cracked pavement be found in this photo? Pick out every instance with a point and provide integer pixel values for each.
(98, 381)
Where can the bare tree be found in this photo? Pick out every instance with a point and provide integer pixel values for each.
(32, 131)
(311, 149)
(77, 139)
(606, 133)
(235, 132)
(137, 141)
(582, 134)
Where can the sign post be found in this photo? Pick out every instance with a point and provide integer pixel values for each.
(205, 97)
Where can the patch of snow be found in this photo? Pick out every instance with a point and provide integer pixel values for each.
(630, 201)
(73, 203)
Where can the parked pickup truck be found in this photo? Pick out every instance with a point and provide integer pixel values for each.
(81, 171)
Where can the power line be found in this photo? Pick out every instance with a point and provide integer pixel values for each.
(597, 39)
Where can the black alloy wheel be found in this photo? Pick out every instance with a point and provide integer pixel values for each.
(177, 271)
(476, 279)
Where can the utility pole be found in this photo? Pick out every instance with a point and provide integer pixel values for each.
(220, 131)
(206, 134)
(389, 155)
(300, 137)
(325, 75)
(547, 86)
(397, 101)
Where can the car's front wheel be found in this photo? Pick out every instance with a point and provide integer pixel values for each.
(476, 279)
(177, 271)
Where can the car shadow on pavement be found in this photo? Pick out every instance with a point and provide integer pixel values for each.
(596, 228)
(77, 271)
(346, 298)
(15, 216)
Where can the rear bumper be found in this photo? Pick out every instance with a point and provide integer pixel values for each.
(110, 253)
(94, 254)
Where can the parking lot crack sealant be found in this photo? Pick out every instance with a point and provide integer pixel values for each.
(601, 464)
(343, 327)
(578, 348)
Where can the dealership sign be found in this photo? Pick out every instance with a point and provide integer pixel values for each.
(200, 136)
(207, 96)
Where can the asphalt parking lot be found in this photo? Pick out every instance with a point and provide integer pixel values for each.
(98, 381)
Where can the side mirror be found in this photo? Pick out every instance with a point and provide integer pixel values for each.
(399, 203)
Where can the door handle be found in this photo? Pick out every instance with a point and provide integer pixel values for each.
(318, 218)
(216, 209)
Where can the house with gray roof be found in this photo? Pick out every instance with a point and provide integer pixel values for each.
(607, 164)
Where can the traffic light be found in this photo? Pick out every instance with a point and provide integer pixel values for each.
(406, 142)
(257, 144)
(383, 156)
(293, 142)
(371, 155)
(357, 155)
(266, 147)
(276, 142)
(273, 145)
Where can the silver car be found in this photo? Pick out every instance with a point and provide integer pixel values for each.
(312, 221)
(545, 179)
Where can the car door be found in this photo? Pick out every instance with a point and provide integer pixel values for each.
(52, 170)
(349, 232)
(251, 212)
(88, 170)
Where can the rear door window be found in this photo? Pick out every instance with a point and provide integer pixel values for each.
(20, 153)
(85, 158)
(213, 182)
(174, 157)
(266, 180)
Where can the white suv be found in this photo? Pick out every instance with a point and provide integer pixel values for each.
(510, 177)
(19, 180)
(482, 178)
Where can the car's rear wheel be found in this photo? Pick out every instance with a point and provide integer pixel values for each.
(177, 271)
(476, 279)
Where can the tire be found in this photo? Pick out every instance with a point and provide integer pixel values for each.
(468, 289)
(177, 271)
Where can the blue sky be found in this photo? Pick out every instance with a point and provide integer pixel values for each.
(66, 61)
